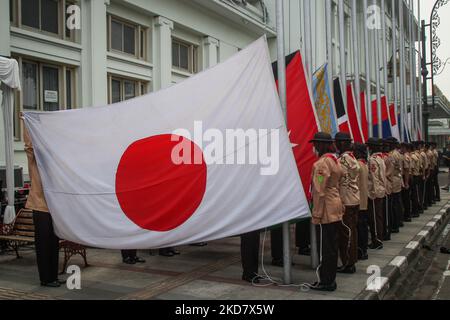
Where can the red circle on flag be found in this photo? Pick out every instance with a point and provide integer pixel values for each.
(154, 189)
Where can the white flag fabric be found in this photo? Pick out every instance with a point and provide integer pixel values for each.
(110, 179)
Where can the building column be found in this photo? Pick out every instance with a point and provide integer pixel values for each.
(93, 79)
(210, 52)
(162, 54)
(4, 29)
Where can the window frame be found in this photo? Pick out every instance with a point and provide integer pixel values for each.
(192, 56)
(140, 87)
(140, 38)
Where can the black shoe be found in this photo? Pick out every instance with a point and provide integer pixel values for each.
(138, 260)
(408, 220)
(252, 279)
(416, 215)
(347, 269)
(129, 260)
(54, 284)
(61, 282)
(175, 252)
(363, 256)
(324, 287)
(304, 252)
(445, 189)
(166, 253)
(394, 231)
(200, 244)
(376, 246)
(445, 250)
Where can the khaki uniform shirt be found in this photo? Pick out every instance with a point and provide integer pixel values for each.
(389, 162)
(436, 158)
(416, 164)
(349, 184)
(327, 205)
(36, 199)
(432, 160)
(377, 177)
(407, 165)
(363, 185)
(425, 162)
(397, 171)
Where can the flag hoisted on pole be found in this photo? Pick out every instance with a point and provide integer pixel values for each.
(376, 39)
(394, 66)
(419, 39)
(402, 74)
(384, 48)
(356, 59)
(287, 270)
(342, 53)
(412, 92)
(368, 101)
(309, 67)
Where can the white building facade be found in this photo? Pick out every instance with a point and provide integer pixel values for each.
(126, 48)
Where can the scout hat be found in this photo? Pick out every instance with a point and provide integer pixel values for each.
(322, 137)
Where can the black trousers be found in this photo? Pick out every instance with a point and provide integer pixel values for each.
(429, 190)
(363, 232)
(422, 204)
(387, 217)
(47, 247)
(396, 210)
(129, 253)
(327, 238)
(437, 188)
(250, 253)
(415, 197)
(406, 201)
(303, 234)
(276, 243)
(376, 220)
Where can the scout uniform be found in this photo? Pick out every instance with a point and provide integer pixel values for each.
(416, 169)
(377, 192)
(363, 222)
(437, 188)
(407, 185)
(423, 182)
(396, 207)
(387, 209)
(430, 181)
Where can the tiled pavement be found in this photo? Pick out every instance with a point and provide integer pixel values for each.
(211, 272)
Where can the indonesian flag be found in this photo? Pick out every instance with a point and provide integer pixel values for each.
(353, 115)
(364, 120)
(301, 117)
(341, 112)
(394, 122)
(205, 159)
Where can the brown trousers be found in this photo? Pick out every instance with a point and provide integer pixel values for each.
(376, 221)
(348, 236)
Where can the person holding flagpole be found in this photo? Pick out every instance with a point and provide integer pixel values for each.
(327, 209)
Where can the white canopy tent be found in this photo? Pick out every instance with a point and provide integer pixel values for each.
(10, 80)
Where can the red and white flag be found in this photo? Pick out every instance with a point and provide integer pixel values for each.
(111, 179)
(353, 115)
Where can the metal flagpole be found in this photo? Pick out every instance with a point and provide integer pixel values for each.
(376, 40)
(419, 32)
(402, 72)
(343, 57)
(384, 46)
(308, 59)
(356, 58)
(394, 57)
(368, 75)
(412, 71)
(283, 100)
(330, 57)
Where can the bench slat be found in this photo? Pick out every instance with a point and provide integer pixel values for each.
(24, 227)
(21, 220)
(24, 233)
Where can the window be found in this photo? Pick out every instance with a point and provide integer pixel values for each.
(121, 89)
(127, 38)
(46, 16)
(184, 56)
(45, 87)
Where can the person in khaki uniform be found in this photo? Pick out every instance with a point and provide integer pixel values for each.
(327, 209)
(424, 173)
(377, 192)
(46, 241)
(387, 209)
(350, 196)
(436, 187)
(430, 181)
(407, 181)
(395, 206)
(416, 171)
(360, 151)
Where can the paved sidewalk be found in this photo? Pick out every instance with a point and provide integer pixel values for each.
(211, 272)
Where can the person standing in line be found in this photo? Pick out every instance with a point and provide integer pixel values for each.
(377, 192)
(424, 173)
(363, 218)
(46, 241)
(130, 257)
(250, 243)
(327, 209)
(397, 215)
(446, 157)
(387, 203)
(437, 189)
(417, 171)
(350, 197)
(429, 191)
(407, 182)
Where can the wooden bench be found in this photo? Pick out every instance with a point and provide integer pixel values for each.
(21, 232)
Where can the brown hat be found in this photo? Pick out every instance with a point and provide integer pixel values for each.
(322, 137)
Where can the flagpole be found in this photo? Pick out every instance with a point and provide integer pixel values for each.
(411, 72)
(287, 272)
(343, 58)
(329, 31)
(394, 58)
(356, 59)
(419, 39)
(368, 75)
(376, 39)
(402, 73)
(384, 46)
(308, 59)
